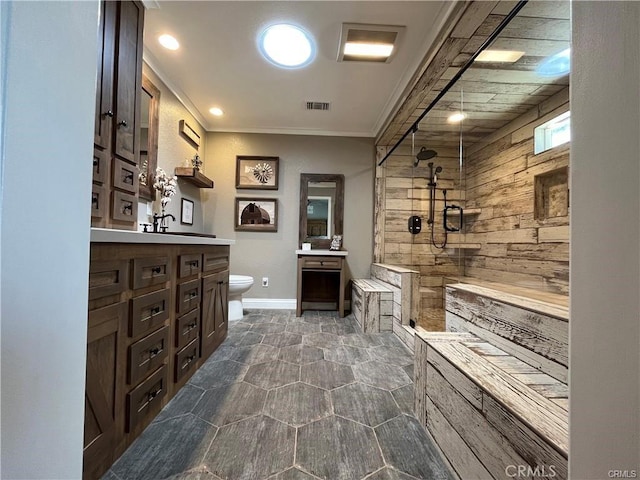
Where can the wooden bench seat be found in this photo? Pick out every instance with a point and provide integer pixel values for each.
(488, 409)
(371, 305)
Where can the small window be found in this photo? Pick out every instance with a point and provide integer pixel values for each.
(552, 133)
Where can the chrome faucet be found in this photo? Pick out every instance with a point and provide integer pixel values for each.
(158, 221)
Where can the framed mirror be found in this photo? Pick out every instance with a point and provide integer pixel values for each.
(149, 117)
(321, 209)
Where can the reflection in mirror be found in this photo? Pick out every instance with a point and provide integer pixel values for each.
(149, 108)
(321, 205)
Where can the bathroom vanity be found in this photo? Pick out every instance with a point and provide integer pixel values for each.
(158, 307)
(321, 279)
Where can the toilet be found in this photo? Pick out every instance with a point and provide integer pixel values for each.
(238, 284)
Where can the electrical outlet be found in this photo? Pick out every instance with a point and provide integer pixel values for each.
(265, 281)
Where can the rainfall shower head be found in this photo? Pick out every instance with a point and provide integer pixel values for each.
(424, 154)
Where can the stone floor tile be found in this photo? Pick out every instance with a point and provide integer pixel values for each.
(381, 375)
(282, 339)
(109, 475)
(282, 316)
(338, 328)
(407, 447)
(391, 340)
(218, 374)
(198, 473)
(165, 449)
(223, 352)
(327, 375)
(320, 320)
(181, 404)
(254, 354)
(238, 326)
(252, 449)
(298, 404)
(409, 370)
(364, 404)
(363, 340)
(303, 327)
(224, 405)
(346, 354)
(387, 473)
(322, 340)
(272, 374)
(293, 474)
(268, 328)
(250, 338)
(404, 398)
(301, 354)
(400, 356)
(337, 449)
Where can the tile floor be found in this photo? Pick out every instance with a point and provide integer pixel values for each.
(287, 398)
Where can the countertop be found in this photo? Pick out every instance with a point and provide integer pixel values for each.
(324, 253)
(110, 235)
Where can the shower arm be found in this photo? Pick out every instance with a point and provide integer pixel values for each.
(456, 77)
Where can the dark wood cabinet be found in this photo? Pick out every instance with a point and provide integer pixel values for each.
(117, 116)
(144, 336)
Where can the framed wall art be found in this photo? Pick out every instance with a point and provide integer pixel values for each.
(186, 212)
(256, 214)
(258, 173)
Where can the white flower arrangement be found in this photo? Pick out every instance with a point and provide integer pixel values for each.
(165, 185)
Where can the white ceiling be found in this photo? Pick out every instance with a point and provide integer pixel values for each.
(218, 63)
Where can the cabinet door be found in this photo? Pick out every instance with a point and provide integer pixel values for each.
(104, 81)
(103, 382)
(215, 311)
(128, 80)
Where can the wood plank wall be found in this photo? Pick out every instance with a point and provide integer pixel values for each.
(519, 245)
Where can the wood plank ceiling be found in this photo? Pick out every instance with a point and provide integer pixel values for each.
(490, 94)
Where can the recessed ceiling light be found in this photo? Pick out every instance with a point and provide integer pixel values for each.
(379, 50)
(500, 56)
(556, 65)
(168, 42)
(287, 46)
(216, 111)
(456, 117)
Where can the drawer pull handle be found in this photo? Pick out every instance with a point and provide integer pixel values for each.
(108, 113)
(193, 263)
(153, 352)
(188, 361)
(156, 270)
(155, 311)
(95, 163)
(192, 326)
(122, 123)
(153, 395)
(193, 295)
(321, 263)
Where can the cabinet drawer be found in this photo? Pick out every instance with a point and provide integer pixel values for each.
(187, 296)
(329, 263)
(150, 271)
(124, 207)
(214, 262)
(187, 327)
(186, 359)
(108, 278)
(189, 265)
(99, 201)
(148, 312)
(147, 354)
(146, 398)
(99, 165)
(125, 176)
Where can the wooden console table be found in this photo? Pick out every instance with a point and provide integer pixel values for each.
(321, 278)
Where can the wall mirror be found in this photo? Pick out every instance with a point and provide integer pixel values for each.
(149, 114)
(321, 208)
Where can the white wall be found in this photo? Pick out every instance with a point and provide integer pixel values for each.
(605, 240)
(48, 102)
(272, 255)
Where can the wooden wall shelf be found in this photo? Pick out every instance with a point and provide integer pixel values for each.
(471, 211)
(194, 176)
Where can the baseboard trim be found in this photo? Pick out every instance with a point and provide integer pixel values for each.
(269, 303)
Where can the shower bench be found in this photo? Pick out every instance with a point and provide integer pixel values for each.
(386, 300)
(492, 390)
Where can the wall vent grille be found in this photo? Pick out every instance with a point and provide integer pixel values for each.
(318, 105)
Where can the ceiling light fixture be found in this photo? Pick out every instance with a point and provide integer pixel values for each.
(556, 65)
(168, 42)
(499, 56)
(287, 46)
(456, 117)
(216, 111)
(369, 43)
(379, 50)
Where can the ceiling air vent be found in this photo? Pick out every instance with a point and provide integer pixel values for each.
(317, 105)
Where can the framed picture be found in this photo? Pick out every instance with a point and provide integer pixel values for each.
(259, 173)
(186, 213)
(256, 214)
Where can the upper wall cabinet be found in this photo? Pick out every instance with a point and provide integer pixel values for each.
(114, 199)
